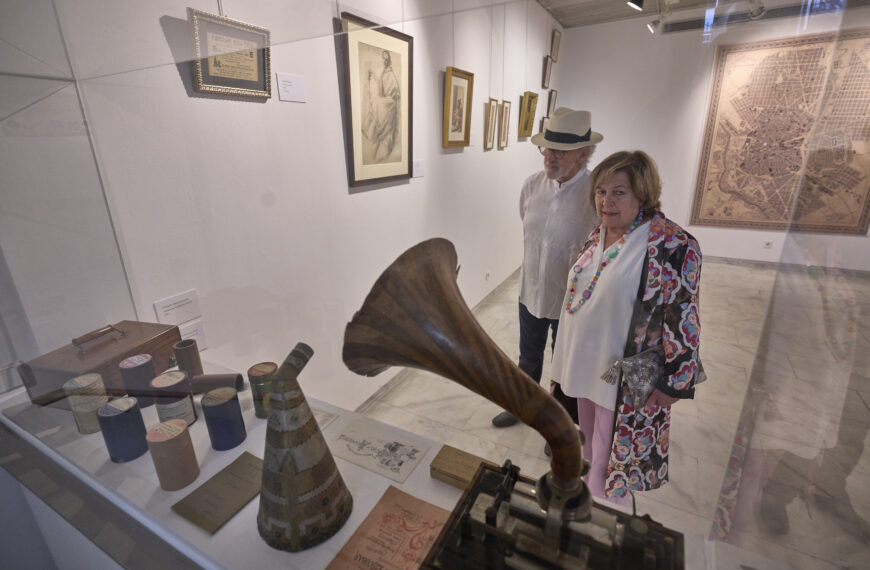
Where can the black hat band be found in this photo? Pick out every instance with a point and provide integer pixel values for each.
(566, 138)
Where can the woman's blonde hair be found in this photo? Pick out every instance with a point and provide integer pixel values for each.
(642, 174)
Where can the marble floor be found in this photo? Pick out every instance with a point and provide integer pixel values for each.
(767, 463)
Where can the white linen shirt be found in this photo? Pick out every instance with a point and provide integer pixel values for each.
(593, 338)
(557, 218)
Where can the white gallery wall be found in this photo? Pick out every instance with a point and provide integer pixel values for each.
(248, 202)
(652, 92)
(119, 185)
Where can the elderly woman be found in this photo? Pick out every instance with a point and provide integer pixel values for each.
(633, 287)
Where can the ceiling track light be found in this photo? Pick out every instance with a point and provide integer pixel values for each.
(657, 25)
(636, 4)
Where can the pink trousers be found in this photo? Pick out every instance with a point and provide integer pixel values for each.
(596, 423)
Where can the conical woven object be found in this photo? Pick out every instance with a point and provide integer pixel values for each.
(303, 500)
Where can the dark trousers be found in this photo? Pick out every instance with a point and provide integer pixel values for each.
(533, 343)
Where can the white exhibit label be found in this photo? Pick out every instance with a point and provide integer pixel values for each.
(196, 331)
(178, 308)
(291, 87)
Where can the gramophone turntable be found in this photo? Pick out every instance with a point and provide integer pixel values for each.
(415, 316)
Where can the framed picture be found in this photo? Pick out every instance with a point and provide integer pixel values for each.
(232, 57)
(528, 105)
(548, 67)
(551, 102)
(458, 88)
(554, 44)
(378, 77)
(489, 123)
(504, 122)
(544, 122)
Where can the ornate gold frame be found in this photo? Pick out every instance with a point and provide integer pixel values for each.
(242, 78)
(455, 76)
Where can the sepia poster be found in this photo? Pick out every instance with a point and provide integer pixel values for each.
(230, 57)
(396, 535)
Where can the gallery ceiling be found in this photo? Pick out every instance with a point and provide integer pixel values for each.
(574, 13)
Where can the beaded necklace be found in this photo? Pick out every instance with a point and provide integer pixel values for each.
(606, 257)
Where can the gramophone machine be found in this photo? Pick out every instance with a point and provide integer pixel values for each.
(415, 316)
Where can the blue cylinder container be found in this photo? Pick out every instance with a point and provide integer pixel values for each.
(223, 418)
(123, 429)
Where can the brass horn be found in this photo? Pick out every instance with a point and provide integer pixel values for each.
(415, 316)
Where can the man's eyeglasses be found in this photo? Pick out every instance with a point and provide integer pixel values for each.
(557, 154)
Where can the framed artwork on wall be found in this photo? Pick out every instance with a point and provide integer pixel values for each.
(458, 88)
(551, 102)
(377, 73)
(231, 57)
(528, 105)
(504, 122)
(548, 67)
(489, 123)
(554, 44)
(815, 178)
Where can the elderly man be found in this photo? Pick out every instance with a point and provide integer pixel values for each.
(557, 217)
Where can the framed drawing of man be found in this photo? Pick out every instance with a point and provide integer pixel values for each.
(458, 88)
(489, 123)
(378, 80)
(504, 122)
(528, 105)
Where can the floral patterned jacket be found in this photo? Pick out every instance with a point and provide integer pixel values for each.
(666, 314)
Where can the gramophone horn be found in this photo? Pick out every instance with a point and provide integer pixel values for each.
(415, 316)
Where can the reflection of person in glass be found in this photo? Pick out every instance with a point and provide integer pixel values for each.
(381, 124)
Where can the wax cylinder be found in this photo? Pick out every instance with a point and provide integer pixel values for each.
(136, 373)
(173, 454)
(223, 418)
(173, 397)
(260, 379)
(123, 429)
(87, 394)
(207, 382)
(187, 357)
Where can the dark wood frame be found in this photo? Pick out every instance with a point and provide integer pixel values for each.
(355, 30)
(205, 81)
(449, 75)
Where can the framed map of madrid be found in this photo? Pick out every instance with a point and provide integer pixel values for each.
(787, 138)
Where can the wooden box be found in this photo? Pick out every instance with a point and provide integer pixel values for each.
(99, 351)
(456, 467)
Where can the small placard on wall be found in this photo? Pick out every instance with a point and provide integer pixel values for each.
(178, 308)
(195, 330)
(291, 87)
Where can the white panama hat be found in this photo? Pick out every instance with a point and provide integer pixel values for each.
(568, 129)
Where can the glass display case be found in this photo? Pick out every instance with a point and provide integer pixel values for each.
(130, 191)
